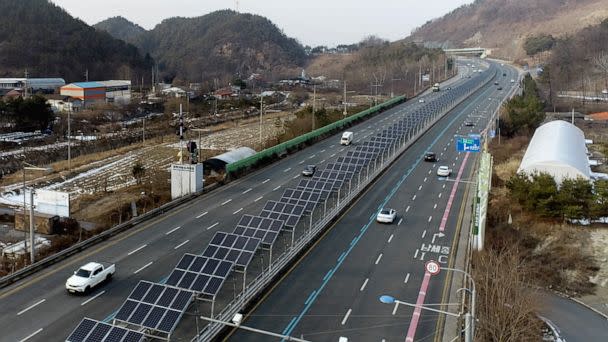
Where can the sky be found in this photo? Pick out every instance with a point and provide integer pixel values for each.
(312, 22)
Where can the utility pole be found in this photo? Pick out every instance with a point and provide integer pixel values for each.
(261, 111)
(181, 135)
(69, 142)
(32, 235)
(25, 85)
(143, 131)
(345, 113)
(86, 75)
(314, 105)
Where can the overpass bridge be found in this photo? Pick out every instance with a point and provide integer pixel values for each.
(479, 51)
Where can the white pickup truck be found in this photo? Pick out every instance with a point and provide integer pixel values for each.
(89, 276)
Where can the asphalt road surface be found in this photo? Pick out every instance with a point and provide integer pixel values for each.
(334, 290)
(39, 309)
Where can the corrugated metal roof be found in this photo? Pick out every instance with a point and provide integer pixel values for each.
(86, 85)
(557, 148)
(115, 83)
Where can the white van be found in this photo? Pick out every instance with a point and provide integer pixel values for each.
(347, 138)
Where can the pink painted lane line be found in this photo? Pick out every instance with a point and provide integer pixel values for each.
(417, 311)
(446, 213)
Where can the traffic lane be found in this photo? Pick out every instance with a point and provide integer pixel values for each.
(297, 291)
(575, 322)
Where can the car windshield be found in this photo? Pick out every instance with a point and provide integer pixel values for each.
(385, 212)
(83, 273)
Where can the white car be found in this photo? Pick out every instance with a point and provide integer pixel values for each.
(386, 216)
(89, 276)
(443, 171)
(421, 100)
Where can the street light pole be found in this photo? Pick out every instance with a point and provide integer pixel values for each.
(473, 294)
(28, 166)
(261, 111)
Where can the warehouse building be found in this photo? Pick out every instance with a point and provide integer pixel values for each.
(557, 148)
(91, 93)
(33, 85)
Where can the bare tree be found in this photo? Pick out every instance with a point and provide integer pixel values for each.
(506, 305)
(601, 63)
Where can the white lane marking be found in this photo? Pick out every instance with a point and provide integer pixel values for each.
(430, 218)
(414, 198)
(296, 176)
(346, 316)
(435, 206)
(424, 233)
(302, 162)
(379, 257)
(259, 198)
(439, 195)
(30, 335)
(453, 164)
(416, 253)
(314, 155)
(444, 186)
(407, 209)
(399, 223)
(425, 179)
(430, 171)
(174, 229)
(137, 250)
(407, 277)
(287, 169)
(266, 181)
(181, 244)
(238, 211)
(322, 151)
(390, 238)
(395, 308)
(322, 161)
(213, 225)
(31, 306)
(203, 214)
(364, 284)
(90, 299)
(277, 188)
(246, 191)
(333, 155)
(420, 188)
(227, 201)
(143, 267)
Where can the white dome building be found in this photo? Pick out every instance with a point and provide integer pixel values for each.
(557, 148)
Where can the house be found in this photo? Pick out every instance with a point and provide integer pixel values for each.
(90, 93)
(227, 92)
(174, 92)
(63, 104)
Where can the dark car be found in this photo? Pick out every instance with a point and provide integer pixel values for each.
(309, 170)
(469, 124)
(499, 88)
(430, 157)
(496, 83)
(504, 74)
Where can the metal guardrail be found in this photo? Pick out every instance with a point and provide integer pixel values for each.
(264, 279)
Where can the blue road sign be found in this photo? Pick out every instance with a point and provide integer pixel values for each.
(464, 144)
(492, 133)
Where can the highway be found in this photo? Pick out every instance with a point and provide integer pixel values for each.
(39, 309)
(333, 290)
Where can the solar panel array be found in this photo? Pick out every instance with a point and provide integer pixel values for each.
(263, 228)
(160, 307)
(155, 306)
(200, 274)
(234, 248)
(89, 330)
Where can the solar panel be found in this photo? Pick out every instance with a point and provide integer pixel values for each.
(200, 274)
(232, 247)
(263, 228)
(90, 330)
(319, 185)
(306, 198)
(357, 162)
(331, 175)
(362, 155)
(288, 213)
(159, 308)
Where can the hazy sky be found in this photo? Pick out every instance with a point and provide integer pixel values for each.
(312, 22)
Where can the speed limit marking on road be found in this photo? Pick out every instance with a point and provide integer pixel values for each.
(432, 267)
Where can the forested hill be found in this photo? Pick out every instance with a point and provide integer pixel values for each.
(505, 25)
(42, 38)
(120, 28)
(223, 44)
